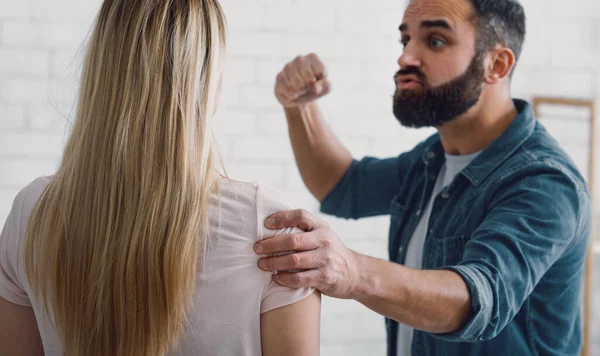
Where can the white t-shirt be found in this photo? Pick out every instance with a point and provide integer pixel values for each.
(232, 292)
(414, 253)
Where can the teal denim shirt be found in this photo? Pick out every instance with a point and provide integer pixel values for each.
(514, 224)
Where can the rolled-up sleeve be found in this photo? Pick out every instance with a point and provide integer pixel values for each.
(532, 221)
(366, 189)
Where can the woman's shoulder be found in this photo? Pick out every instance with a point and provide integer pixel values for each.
(260, 197)
(28, 196)
(12, 281)
(247, 204)
(252, 194)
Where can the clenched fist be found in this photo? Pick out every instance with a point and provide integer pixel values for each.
(301, 81)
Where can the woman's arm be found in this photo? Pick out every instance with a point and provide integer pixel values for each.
(293, 330)
(19, 334)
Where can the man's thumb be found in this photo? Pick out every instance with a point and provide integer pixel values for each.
(321, 87)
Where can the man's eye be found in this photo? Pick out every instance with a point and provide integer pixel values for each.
(404, 42)
(435, 42)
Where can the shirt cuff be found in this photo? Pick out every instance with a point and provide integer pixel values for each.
(482, 301)
(13, 295)
(284, 297)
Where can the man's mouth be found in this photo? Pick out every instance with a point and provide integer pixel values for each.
(408, 84)
(404, 82)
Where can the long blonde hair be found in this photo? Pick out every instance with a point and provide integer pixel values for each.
(113, 244)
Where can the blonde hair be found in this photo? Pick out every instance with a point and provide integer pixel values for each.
(114, 242)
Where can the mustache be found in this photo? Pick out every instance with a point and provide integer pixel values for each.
(412, 70)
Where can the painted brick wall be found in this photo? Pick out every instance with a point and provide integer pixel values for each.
(40, 56)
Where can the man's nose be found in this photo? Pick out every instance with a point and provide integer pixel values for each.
(409, 57)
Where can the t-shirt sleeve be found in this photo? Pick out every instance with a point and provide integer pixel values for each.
(275, 296)
(11, 288)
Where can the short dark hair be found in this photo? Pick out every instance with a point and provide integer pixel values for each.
(500, 22)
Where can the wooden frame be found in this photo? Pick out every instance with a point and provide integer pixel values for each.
(587, 302)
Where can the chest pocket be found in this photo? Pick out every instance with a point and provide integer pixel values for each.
(445, 251)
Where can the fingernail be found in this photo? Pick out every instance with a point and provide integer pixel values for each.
(258, 248)
(319, 87)
(261, 264)
(270, 222)
(275, 276)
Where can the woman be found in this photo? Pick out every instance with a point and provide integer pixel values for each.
(137, 246)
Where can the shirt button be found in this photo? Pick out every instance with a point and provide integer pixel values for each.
(445, 195)
(418, 212)
(430, 155)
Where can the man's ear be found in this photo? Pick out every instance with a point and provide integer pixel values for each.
(499, 64)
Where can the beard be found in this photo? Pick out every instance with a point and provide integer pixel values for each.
(435, 106)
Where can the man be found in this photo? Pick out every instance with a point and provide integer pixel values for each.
(490, 220)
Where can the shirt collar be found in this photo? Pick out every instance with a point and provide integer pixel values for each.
(497, 152)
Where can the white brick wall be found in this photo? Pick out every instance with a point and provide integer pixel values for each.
(40, 56)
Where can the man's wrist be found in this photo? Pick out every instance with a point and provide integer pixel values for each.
(365, 282)
(300, 110)
(291, 110)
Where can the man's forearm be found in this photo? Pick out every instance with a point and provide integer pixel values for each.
(321, 157)
(432, 301)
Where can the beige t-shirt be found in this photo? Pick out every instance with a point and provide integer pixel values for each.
(231, 293)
